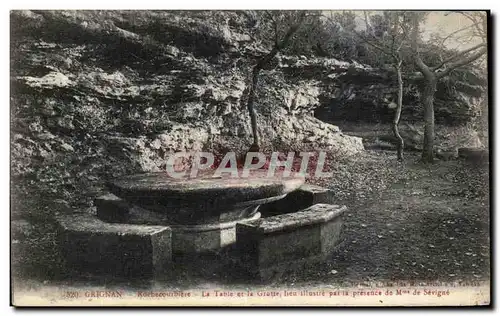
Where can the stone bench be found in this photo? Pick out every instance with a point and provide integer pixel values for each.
(91, 245)
(304, 197)
(288, 241)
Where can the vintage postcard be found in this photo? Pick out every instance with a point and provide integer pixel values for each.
(249, 158)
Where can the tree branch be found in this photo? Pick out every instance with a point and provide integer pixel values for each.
(394, 53)
(426, 71)
(369, 42)
(292, 30)
(395, 28)
(280, 44)
(474, 19)
(453, 33)
(462, 62)
(457, 55)
(368, 26)
(275, 24)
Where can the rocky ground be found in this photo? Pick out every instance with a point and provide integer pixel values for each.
(427, 223)
(406, 221)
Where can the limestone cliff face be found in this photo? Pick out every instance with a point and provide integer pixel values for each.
(135, 86)
(103, 93)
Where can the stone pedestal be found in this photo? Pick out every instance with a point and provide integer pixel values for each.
(206, 238)
(91, 245)
(288, 241)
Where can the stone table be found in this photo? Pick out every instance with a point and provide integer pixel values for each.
(201, 211)
(204, 199)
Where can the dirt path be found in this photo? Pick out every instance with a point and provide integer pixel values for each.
(431, 223)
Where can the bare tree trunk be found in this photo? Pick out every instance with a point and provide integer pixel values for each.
(431, 77)
(367, 22)
(397, 115)
(427, 96)
(251, 97)
(255, 76)
(428, 103)
(251, 109)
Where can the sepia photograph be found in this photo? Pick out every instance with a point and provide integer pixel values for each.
(250, 158)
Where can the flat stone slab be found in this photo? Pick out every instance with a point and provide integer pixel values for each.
(185, 200)
(288, 241)
(111, 208)
(316, 214)
(302, 198)
(91, 245)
